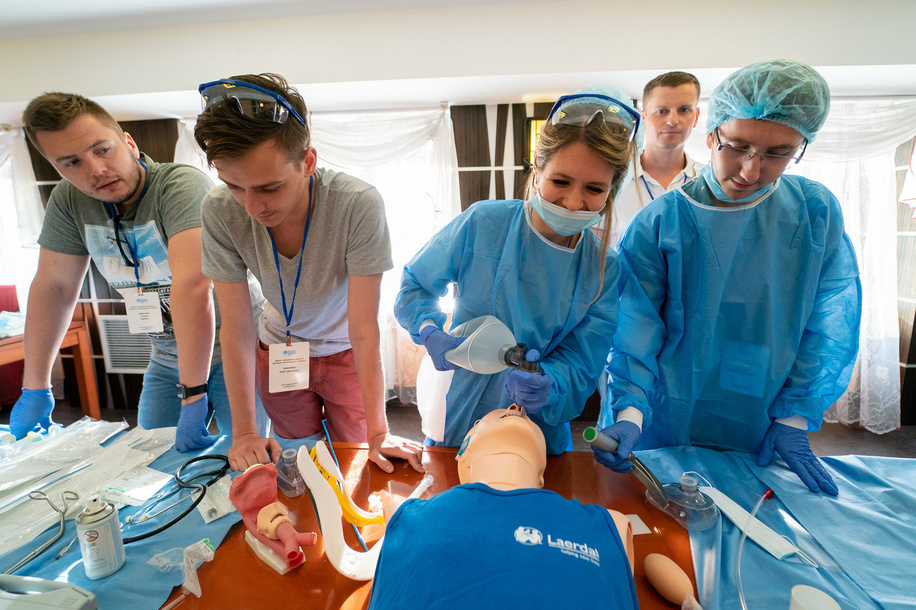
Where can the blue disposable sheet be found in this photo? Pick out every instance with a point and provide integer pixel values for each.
(137, 585)
(864, 540)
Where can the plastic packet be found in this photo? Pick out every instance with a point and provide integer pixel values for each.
(216, 501)
(168, 561)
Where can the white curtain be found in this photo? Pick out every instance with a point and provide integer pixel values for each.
(409, 156)
(21, 214)
(188, 152)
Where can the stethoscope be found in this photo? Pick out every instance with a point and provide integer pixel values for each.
(147, 512)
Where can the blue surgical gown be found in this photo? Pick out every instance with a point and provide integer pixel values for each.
(543, 292)
(745, 315)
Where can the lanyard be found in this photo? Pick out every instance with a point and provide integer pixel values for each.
(116, 217)
(648, 190)
(288, 314)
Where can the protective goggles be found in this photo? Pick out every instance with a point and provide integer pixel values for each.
(579, 114)
(249, 100)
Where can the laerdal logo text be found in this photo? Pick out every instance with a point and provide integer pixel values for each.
(574, 548)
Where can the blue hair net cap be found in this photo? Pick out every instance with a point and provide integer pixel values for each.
(783, 91)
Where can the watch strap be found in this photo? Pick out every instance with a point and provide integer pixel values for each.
(186, 392)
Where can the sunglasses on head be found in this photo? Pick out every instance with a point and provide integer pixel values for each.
(612, 112)
(249, 100)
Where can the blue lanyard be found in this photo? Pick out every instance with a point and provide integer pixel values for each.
(648, 190)
(134, 251)
(288, 314)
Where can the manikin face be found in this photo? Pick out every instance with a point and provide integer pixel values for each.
(504, 450)
(270, 186)
(576, 178)
(670, 113)
(95, 158)
(742, 177)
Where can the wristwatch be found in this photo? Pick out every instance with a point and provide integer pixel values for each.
(186, 392)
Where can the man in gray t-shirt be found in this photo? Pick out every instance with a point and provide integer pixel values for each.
(318, 243)
(140, 222)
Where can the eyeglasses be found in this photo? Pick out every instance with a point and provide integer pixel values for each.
(613, 112)
(249, 100)
(733, 153)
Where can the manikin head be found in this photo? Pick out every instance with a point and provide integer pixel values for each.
(505, 450)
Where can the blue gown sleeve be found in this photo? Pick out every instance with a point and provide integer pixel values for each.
(830, 342)
(576, 362)
(632, 365)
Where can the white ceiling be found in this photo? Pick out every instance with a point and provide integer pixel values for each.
(43, 18)
(26, 19)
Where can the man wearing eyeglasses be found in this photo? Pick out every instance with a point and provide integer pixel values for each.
(317, 241)
(743, 327)
(669, 112)
(140, 222)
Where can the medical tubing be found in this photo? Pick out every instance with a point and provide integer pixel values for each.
(214, 474)
(765, 496)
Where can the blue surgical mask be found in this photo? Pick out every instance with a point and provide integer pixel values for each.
(717, 192)
(559, 219)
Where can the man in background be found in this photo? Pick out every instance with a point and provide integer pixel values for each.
(669, 112)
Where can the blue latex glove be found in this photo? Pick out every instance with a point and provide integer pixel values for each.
(192, 426)
(527, 389)
(627, 434)
(792, 445)
(438, 342)
(32, 412)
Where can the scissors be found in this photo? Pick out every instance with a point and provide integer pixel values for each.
(68, 498)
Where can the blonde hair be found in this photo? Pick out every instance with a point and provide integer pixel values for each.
(611, 143)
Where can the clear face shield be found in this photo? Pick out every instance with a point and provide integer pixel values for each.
(249, 100)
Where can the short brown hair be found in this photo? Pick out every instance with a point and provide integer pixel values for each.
(670, 79)
(55, 110)
(224, 133)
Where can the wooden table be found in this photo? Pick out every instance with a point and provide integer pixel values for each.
(12, 349)
(236, 578)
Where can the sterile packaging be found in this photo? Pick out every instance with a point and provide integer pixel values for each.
(216, 502)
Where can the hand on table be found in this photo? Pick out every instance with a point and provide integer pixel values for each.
(250, 449)
(438, 342)
(32, 412)
(792, 445)
(192, 432)
(389, 445)
(627, 434)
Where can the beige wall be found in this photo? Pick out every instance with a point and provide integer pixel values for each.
(578, 36)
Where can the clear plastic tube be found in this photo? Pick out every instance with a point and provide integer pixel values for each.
(765, 496)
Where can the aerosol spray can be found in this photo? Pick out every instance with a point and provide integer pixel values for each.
(99, 534)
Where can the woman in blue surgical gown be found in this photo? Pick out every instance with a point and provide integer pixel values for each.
(537, 267)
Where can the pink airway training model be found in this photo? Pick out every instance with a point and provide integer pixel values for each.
(254, 494)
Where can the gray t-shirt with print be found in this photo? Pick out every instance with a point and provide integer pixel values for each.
(80, 225)
(347, 235)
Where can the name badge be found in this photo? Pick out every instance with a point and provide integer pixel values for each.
(143, 312)
(289, 367)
